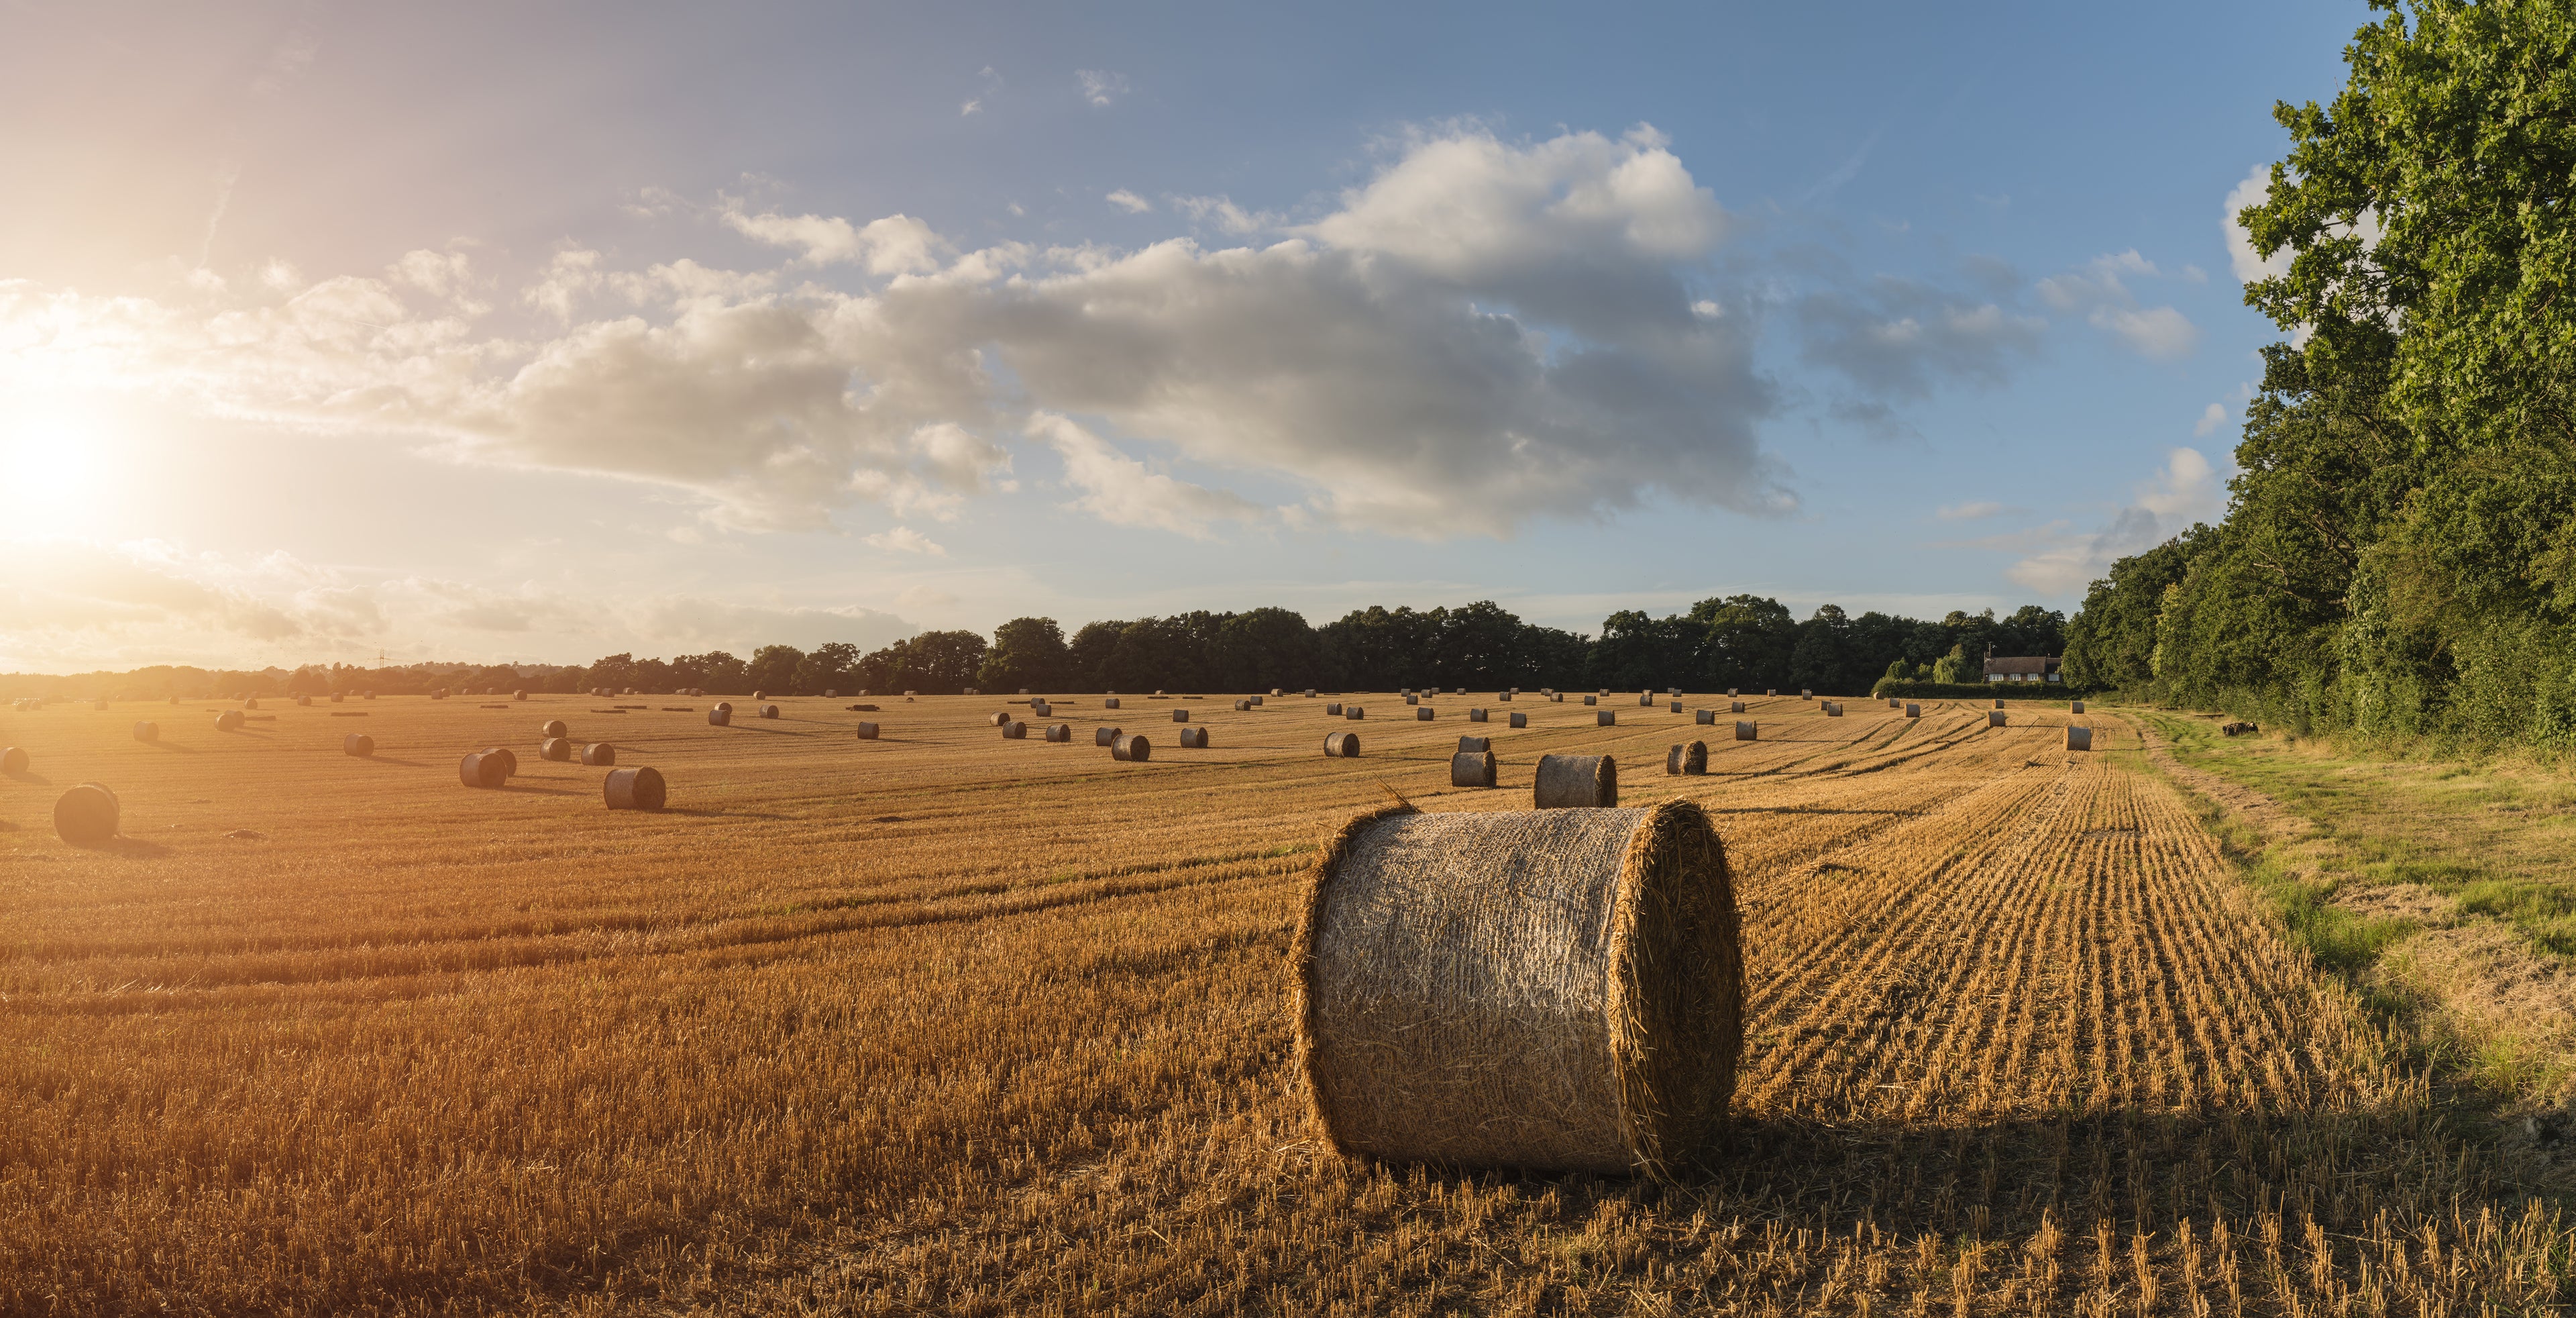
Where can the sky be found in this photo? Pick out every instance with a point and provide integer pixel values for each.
(504, 333)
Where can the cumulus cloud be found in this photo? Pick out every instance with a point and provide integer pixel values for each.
(1895, 340)
(1221, 211)
(903, 540)
(1120, 490)
(2211, 418)
(2187, 490)
(1130, 202)
(2249, 264)
(2100, 292)
(894, 245)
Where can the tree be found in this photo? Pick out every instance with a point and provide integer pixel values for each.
(773, 668)
(1027, 652)
(833, 666)
(1089, 654)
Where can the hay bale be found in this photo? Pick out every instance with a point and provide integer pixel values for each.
(1041, 708)
(1645, 700)
(1577, 782)
(250, 702)
(1255, 701)
(1746, 730)
(335, 698)
(1994, 718)
(558, 749)
(1735, 707)
(1194, 739)
(86, 816)
(910, 694)
(554, 728)
(147, 732)
(1704, 716)
(358, 744)
(1999, 702)
(1333, 711)
(1243, 707)
(867, 732)
(1274, 691)
(725, 705)
(2076, 707)
(1412, 699)
(13, 760)
(1425, 715)
(758, 696)
(969, 691)
(1503, 696)
(1471, 768)
(1608, 718)
(228, 721)
(518, 695)
(1592, 700)
(720, 717)
(1131, 746)
(1546, 991)
(1913, 711)
(1015, 731)
(301, 702)
(1687, 758)
(1520, 720)
(1180, 715)
(634, 789)
(1355, 713)
(999, 718)
(1110, 703)
(1468, 744)
(831, 693)
(1833, 709)
(2079, 739)
(1062, 732)
(1677, 707)
(599, 755)
(1310, 693)
(483, 769)
(366, 695)
(769, 711)
(1341, 746)
(1104, 736)
(1476, 714)
(1805, 694)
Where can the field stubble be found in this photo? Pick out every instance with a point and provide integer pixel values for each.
(944, 1023)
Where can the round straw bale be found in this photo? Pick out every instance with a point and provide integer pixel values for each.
(769, 711)
(555, 748)
(509, 758)
(1104, 736)
(250, 702)
(1475, 714)
(725, 705)
(830, 693)
(1041, 708)
(1110, 703)
(999, 719)
(1194, 739)
(1425, 714)
(1995, 718)
(1690, 757)
(2077, 707)
(1015, 731)
(1549, 991)
(1354, 713)
(554, 728)
(1158, 693)
(1180, 715)
(1520, 720)
(1060, 732)
(1677, 707)
(303, 702)
(1467, 744)
(518, 695)
(1771, 691)
(1805, 694)
(147, 732)
(13, 760)
(634, 789)
(867, 732)
(1503, 696)
(335, 697)
(1558, 698)
(228, 721)
(1131, 746)
(2079, 739)
(1341, 746)
(720, 717)
(366, 695)
(1833, 709)
(86, 815)
(1735, 707)
(1704, 716)
(482, 769)
(1471, 769)
(1645, 700)
(1999, 702)
(599, 755)
(1412, 699)
(972, 691)
(1747, 731)
(1607, 718)
(763, 695)
(1243, 707)
(1592, 700)
(1310, 693)
(1572, 782)
(909, 694)
(1730, 693)
(358, 744)
(1332, 711)
(1913, 711)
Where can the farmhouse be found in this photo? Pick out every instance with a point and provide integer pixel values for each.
(2022, 670)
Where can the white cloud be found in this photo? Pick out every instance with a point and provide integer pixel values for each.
(1224, 214)
(569, 276)
(1122, 491)
(894, 245)
(2100, 292)
(970, 107)
(2248, 264)
(2158, 332)
(2186, 491)
(1968, 512)
(1130, 202)
(903, 540)
(1099, 86)
(2211, 418)
(1896, 339)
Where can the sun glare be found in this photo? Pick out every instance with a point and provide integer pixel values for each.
(54, 478)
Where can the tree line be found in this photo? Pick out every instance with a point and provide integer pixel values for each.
(2398, 557)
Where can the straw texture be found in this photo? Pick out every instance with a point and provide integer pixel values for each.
(1704, 716)
(147, 732)
(1994, 718)
(720, 717)
(1467, 744)
(1471, 768)
(1519, 720)
(1194, 739)
(1747, 731)
(867, 732)
(482, 769)
(634, 789)
(1688, 757)
(228, 721)
(1542, 990)
(599, 754)
(1059, 732)
(1342, 746)
(1104, 736)
(358, 744)
(555, 748)
(1913, 711)
(2077, 707)
(1577, 782)
(1424, 714)
(86, 815)
(1131, 746)
(2079, 739)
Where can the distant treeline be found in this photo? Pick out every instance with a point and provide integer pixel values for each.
(1738, 641)
(2398, 559)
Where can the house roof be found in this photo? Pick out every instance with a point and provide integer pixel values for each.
(2030, 664)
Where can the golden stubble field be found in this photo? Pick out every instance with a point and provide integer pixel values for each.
(943, 1023)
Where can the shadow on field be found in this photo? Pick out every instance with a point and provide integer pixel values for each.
(722, 814)
(129, 847)
(755, 727)
(387, 759)
(172, 746)
(31, 779)
(536, 791)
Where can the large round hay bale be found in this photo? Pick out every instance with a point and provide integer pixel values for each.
(302, 702)
(999, 718)
(1999, 702)
(1332, 711)
(1475, 714)
(1503, 696)
(1707, 716)
(1425, 714)
(1994, 718)
(147, 732)
(1576, 782)
(1771, 691)
(1833, 708)
(1310, 693)
(1412, 699)
(1677, 707)
(335, 697)
(1341, 745)
(1467, 744)
(86, 816)
(634, 789)
(1355, 713)
(228, 721)
(1180, 715)
(720, 717)
(725, 705)
(1735, 707)
(1014, 730)
(1131, 746)
(483, 769)
(831, 693)
(251, 702)
(1519, 720)
(1608, 718)
(1255, 701)
(509, 759)
(1243, 707)
(558, 749)
(13, 760)
(1104, 736)
(1913, 711)
(366, 695)
(1747, 731)
(1194, 739)
(758, 696)
(769, 711)
(358, 744)
(1592, 700)
(1110, 703)
(1041, 708)
(1471, 769)
(1646, 700)
(1805, 694)
(867, 732)
(1551, 991)
(2077, 707)
(1059, 732)
(518, 695)
(554, 728)
(2079, 739)
(1688, 758)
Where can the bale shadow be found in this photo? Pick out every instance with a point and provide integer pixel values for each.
(535, 791)
(167, 746)
(721, 814)
(32, 779)
(129, 847)
(387, 759)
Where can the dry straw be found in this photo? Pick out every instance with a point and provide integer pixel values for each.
(1104, 736)
(1468, 744)
(358, 744)
(1547, 991)
(1131, 746)
(1355, 713)
(1332, 711)
(1412, 699)
(1180, 715)
(1194, 739)
(228, 721)
(1708, 716)
(1999, 702)
(1592, 700)
(1342, 746)
(1520, 720)
(634, 789)
(1577, 782)
(1735, 707)
(1607, 718)
(999, 719)
(1677, 707)
(1424, 715)
(867, 732)
(13, 760)
(1687, 758)
(720, 716)
(769, 711)
(599, 755)
(1243, 707)
(86, 816)
(1110, 703)
(1746, 730)
(2079, 739)
(1015, 731)
(1913, 711)
(1833, 709)
(483, 769)
(1471, 769)
(554, 728)
(147, 732)
(2076, 707)
(1994, 718)
(555, 748)
(1475, 714)
(1059, 732)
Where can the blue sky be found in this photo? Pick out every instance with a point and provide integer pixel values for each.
(475, 333)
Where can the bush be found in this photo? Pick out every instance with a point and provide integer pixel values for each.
(1974, 690)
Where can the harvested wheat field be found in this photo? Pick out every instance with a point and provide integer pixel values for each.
(944, 1023)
